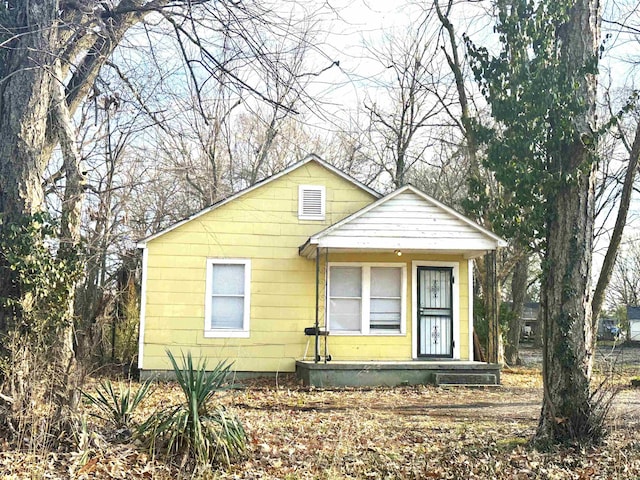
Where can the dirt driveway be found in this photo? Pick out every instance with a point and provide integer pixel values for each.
(607, 355)
(520, 396)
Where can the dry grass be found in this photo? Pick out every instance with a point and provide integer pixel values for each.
(409, 432)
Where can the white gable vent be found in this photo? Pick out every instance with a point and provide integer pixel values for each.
(311, 202)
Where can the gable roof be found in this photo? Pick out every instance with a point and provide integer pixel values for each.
(309, 158)
(406, 219)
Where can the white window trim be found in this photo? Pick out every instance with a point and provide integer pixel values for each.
(143, 306)
(323, 199)
(470, 293)
(456, 303)
(227, 333)
(366, 294)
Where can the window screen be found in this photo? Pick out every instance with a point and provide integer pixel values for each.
(345, 298)
(227, 296)
(386, 297)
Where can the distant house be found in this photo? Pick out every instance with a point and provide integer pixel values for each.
(633, 317)
(529, 320)
(607, 327)
(249, 278)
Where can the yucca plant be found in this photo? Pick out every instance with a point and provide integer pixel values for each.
(194, 428)
(117, 405)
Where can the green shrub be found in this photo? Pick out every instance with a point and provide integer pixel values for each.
(117, 406)
(194, 429)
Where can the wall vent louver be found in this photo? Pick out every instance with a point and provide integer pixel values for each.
(311, 202)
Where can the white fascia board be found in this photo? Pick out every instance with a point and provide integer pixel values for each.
(310, 158)
(307, 249)
(392, 243)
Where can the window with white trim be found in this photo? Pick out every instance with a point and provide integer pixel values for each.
(227, 301)
(311, 202)
(366, 298)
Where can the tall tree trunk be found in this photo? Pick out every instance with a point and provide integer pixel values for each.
(24, 103)
(538, 334)
(25, 93)
(25, 99)
(518, 295)
(63, 357)
(568, 412)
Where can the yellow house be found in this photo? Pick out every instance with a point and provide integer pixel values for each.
(311, 270)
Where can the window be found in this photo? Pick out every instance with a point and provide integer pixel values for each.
(386, 299)
(366, 298)
(311, 202)
(227, 298)
(345, 306)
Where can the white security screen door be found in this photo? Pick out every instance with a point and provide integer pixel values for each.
(435, 312)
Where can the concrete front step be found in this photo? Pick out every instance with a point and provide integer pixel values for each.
(466, 379)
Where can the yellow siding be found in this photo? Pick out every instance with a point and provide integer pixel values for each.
(263, 225)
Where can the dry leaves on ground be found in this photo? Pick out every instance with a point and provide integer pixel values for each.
(384, 433)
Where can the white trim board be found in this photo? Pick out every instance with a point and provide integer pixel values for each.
(470, 280)
(245, 331)
(143, 306)
(365, 329)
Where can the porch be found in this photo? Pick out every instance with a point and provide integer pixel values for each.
(395, 373)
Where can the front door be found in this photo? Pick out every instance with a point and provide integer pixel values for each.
(435, 312)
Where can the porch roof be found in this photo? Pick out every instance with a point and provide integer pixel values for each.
(407, 220)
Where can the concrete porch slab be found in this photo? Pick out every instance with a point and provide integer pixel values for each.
(370, 374)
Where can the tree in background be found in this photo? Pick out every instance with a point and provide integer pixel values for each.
(484, 197)
(624, 288)
(401, 119)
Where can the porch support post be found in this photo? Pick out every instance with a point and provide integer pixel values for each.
(491, 307)
(317, 339)
(324, 311)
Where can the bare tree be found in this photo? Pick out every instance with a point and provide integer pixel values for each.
(621, 197)
(624, 288)
(459, 105)
(400, 116)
